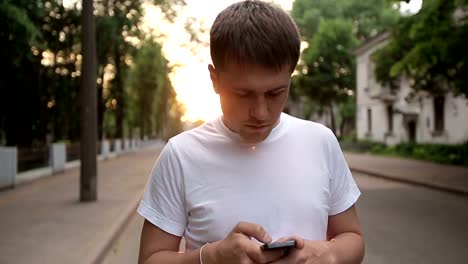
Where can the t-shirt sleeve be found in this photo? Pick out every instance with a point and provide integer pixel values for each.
(163, 202)
(344, 192)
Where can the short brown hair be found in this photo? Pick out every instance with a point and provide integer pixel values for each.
(254, 32)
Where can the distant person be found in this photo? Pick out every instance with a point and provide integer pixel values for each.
(255, 174)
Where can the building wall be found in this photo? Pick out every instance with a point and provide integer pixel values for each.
(365, 84)
(420, 110)
(455, 117)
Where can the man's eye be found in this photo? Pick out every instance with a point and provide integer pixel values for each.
(243, 95)
(274, 94)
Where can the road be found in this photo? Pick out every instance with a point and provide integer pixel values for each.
(402, 224)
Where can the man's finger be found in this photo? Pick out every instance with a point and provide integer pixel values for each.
(261, 256)
(252, 230)
(299, 241)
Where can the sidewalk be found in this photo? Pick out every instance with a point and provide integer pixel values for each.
(438, 176)
(43, 222)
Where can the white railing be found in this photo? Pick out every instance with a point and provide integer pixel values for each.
(9, 176)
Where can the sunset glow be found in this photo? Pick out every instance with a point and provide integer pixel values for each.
(190, 76)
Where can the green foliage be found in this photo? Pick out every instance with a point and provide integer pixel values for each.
(332, 28)
(120, 24)
(308, 14)
(385, 58)
(19, 26)
(440, 153)
(346, 114)
(329, 76)
(429, 48)
(152, 98)
(43, 94)
(367, 17)
(40, 44)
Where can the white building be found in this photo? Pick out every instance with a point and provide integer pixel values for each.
(392, 118)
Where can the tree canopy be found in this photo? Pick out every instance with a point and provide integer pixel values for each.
(332, 28)
(40, 43)
(429, 48)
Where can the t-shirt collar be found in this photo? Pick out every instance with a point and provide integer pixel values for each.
(275, 132)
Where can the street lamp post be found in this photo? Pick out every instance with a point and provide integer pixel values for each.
(88, 119)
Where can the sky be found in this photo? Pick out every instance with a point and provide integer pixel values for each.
(190, 77)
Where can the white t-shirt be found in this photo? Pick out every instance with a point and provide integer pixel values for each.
(205, 182)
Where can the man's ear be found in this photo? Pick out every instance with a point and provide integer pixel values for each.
(213, 77)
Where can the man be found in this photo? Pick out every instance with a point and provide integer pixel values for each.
(255, 174)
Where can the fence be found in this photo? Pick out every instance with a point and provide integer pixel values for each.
(24, 164)
(32, 158)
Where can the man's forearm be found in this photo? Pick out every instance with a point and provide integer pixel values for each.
(171, 257)
(347, 248)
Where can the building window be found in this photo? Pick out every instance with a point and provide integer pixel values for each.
(390, 118)
(369, 120)
(439, 114)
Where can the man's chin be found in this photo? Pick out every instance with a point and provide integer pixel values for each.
(253, 138)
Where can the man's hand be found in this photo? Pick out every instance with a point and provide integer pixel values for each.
(308, 252)
(238, 247)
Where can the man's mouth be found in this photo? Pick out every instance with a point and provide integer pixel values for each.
(257, 126)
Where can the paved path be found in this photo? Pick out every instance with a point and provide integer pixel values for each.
(124, 250)
(43, 222)
(402, 223)
(433, 175)
(408, 224)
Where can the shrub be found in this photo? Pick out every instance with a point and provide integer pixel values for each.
(441, 153)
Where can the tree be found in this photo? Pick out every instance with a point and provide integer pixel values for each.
(326, 72)
(18, 33)
(122, 19)
(38, 40)
(367, 17)
(308, 14)
(328, 76)
(40, 44)
(151, 94)
(429, 48)
(145, 82)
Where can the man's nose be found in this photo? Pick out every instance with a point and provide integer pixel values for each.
(259, 109)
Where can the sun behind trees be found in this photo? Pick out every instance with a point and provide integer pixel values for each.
(40, 44)
(154, 109)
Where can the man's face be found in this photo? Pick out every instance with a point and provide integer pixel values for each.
(252, 98)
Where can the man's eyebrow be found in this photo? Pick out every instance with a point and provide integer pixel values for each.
(241, 89)
(279, 87)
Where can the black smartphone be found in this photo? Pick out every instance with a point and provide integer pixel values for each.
(279, 245)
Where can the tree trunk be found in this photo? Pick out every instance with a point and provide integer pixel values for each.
(88, 170)
(342, 126)
(332, 118)
(100, 106)
(119, 94)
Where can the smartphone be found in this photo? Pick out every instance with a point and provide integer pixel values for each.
(279, 245)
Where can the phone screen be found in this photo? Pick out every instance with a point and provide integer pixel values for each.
(279, 245)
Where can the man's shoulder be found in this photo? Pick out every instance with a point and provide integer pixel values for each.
(308, 127)
(200, 134)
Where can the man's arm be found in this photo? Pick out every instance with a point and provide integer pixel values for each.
(345, 243)
(345, 235)
(158, 246)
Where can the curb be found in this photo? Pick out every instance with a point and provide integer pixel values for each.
(116, 230)
(413, 182)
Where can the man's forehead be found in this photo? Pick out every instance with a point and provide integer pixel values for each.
(237, 67)
(257, 87)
